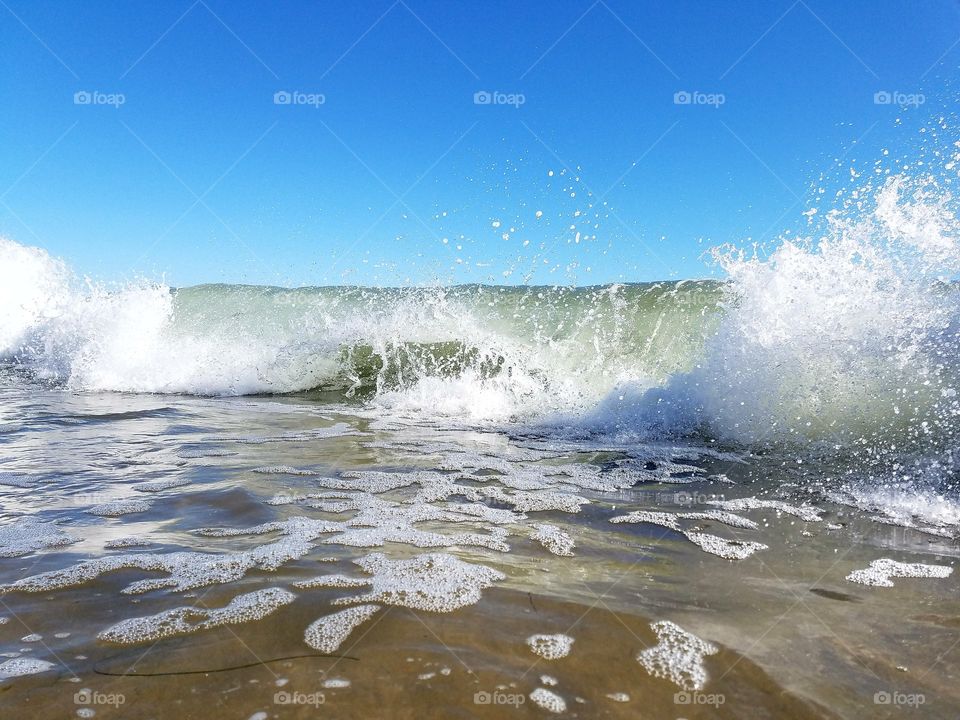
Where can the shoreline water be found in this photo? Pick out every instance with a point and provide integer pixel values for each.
(794, 637)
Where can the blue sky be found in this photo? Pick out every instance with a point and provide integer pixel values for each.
(399, 176)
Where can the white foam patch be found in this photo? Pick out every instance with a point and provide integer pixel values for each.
(284, 470)
(549, 680)
(620, 697)
(332, 581)
(18, 667)
(678, 656)
(523, 501)
(727, 518)
(713, 544)
(550, 647)
(188, 570)
(667, 520)
(336, 683)
(328, 633)
(119, 507)
(185, 620)
(434, 582)
(807, 513)
(722, 547)
(160, 485)
(125, 542)
(553, 539)
(26, 535)
(381, 521)
(548, 700)
(195, 453)
(880, 572)
(541, 501)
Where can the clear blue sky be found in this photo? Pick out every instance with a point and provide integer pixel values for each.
(200, 177)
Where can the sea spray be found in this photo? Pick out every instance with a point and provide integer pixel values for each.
(849, 340)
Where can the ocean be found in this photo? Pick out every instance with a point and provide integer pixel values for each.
(692, 498)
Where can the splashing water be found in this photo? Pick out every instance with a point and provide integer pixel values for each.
(847, 340)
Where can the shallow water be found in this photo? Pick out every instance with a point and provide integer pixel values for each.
(793, 637)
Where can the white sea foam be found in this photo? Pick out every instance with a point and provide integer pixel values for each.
(550, 647)
(184, 620)
(553, 539)
(678, 656)
(161, 485)
(328, 633)
(18, 667)
(880, 572)
(807, 513)
(116, 508)
(730, 549)
(548, 700)
(434, 582)
(26, 535)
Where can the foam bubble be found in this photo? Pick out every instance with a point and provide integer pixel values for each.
(880, 572)
(185, 620)
(620, 697)
(17, 667)
(117, 508)
(332, 581)
(26, 535)
(435, 582)
(328, 633)
(678, 656)
(160, 485)
(548, 700)
(727, 518)
(187, 570)
(283, 470)
(722, 547)
(125, 542)
(713, 544)
(336, 683)
(807, 513)
(550, 647)
(553, 539)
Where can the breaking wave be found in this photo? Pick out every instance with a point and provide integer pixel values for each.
(848, 338)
